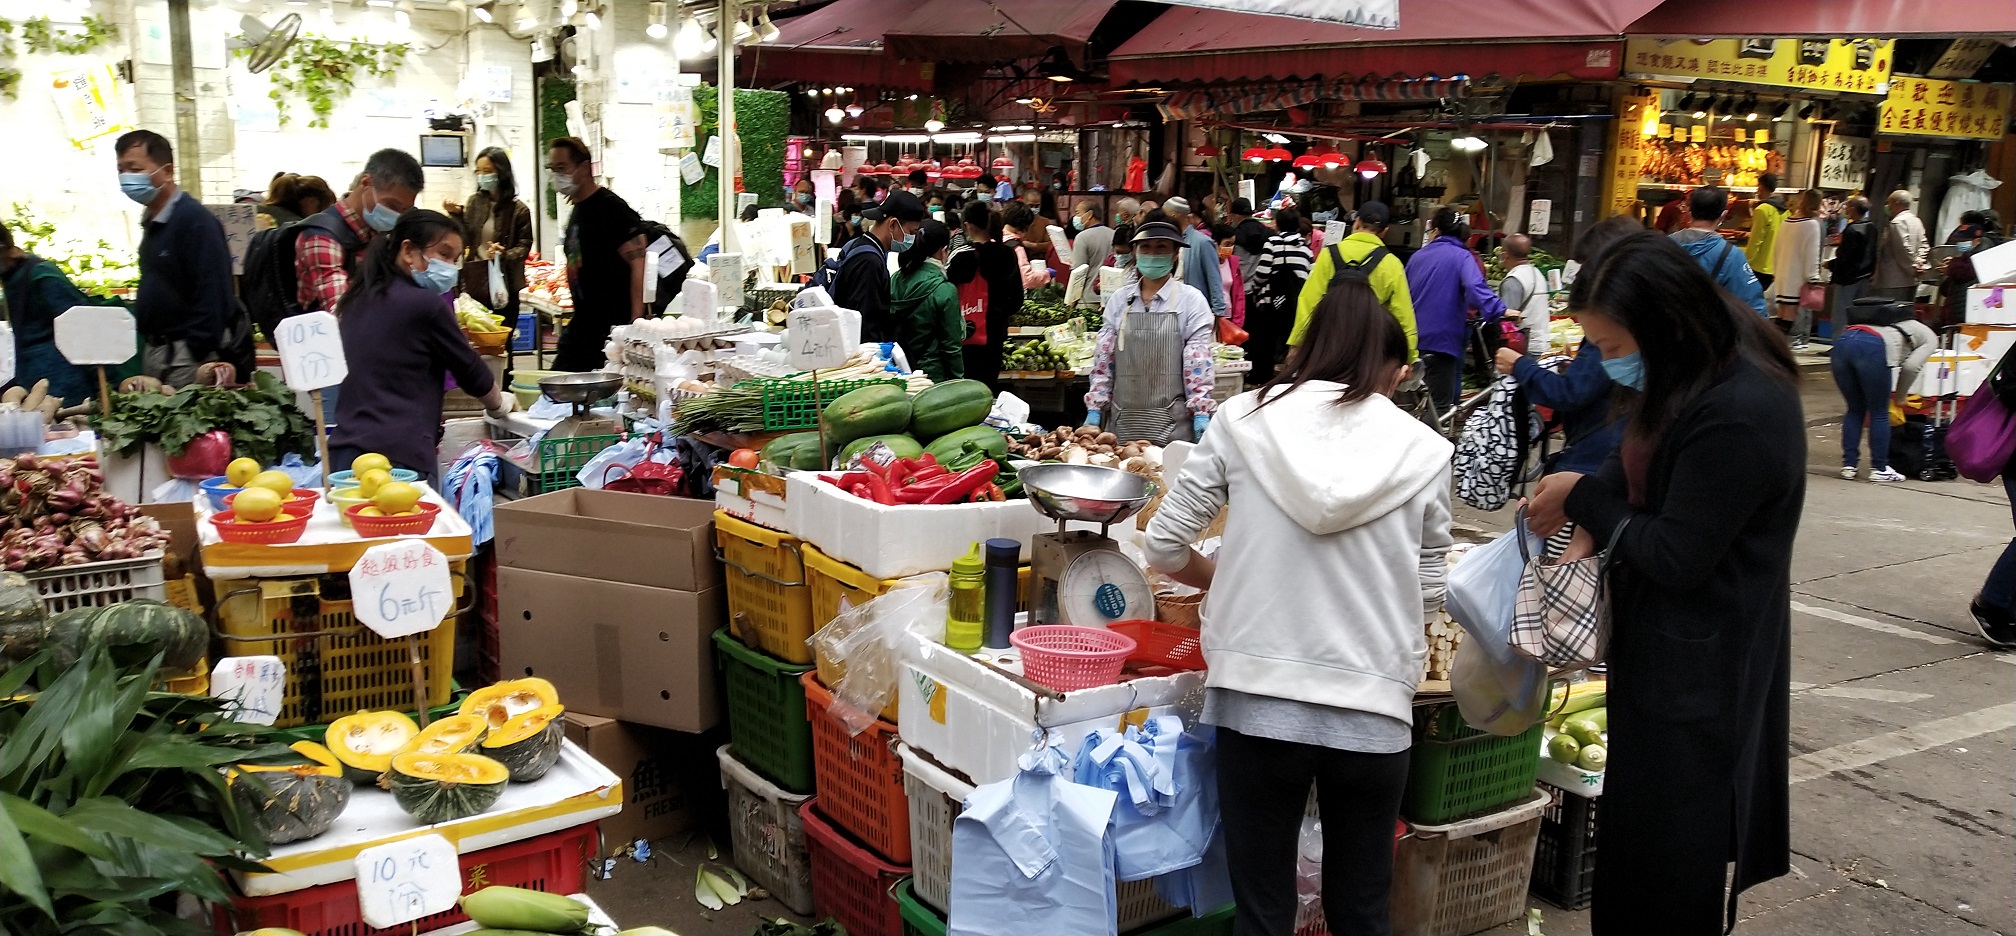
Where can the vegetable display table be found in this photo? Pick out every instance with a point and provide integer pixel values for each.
(327, 545)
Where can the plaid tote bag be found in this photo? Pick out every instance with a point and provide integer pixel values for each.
(1562, 614)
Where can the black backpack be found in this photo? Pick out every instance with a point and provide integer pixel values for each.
(269, 288)
(671, 279)
(828, 274)
(1361, 271)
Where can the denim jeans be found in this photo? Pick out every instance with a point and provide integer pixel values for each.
(1999, 591)
(1862, 371)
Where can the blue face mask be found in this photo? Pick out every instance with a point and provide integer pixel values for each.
(1155, 266)
(139, 186)
(439, 276)
(1626, 371)
(486, 181)
(379, 217)
(804, 198)
(984, 196)
(902, 242)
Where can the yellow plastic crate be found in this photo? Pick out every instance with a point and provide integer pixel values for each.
(769, 607)
(335, 665)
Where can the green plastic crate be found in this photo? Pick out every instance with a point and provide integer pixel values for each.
(766, 713)
(789, 404)
(1457, 771)
(920, 920)
(560, 461)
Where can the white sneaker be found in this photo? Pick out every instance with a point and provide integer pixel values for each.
(1886, 475)
(1799, 345)
(1848, 472)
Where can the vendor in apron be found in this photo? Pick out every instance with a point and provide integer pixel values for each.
(1152, 375)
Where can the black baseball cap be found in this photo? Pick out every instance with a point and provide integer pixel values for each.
(1240, 206)
(1375, 214)
(1158, 230)
(900, 205)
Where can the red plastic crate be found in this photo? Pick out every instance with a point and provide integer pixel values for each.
(859, 778)
(849, 882)
(556, 863)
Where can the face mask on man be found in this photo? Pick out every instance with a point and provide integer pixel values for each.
(139, 186)
(1155, 266)
(439, 276)
(379, 217)
(804, 198)
(562, 184)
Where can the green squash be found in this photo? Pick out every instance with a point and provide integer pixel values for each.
(134, 631)
(528, 745)
(948, 407)
(21, 617)
(902, 445)
(445, 787)
(294, 802)
(966, 447)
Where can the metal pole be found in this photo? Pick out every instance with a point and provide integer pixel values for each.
(731, 151)
(188, 148)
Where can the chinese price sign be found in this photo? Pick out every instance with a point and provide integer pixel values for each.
(1960, 109)
(96, 335)
(1844, 163)
(815, 339)
(407, 880)
(401, 588)
(1858, 66)
(311, 351)
(255, 686)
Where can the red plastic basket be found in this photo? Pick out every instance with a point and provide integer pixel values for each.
(368, 526)
(849, 882)
(556, 863)
(272, 533)
(859, 778)
(1162, 644)
(301, 502)
(1067, 657)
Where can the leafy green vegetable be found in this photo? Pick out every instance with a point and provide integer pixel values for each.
(262, 419)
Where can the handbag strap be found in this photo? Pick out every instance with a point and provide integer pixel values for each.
(1526, 553)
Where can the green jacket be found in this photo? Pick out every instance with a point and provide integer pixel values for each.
(1388, 280)
(925, 306)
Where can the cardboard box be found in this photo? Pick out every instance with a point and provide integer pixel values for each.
(641, 539)
(630, 652)
(654, 805)
(1991, 305)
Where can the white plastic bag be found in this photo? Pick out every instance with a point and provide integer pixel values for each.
(627, 453)
(867, 638)
(1503, 697)
(498, 294)
(1484, 587)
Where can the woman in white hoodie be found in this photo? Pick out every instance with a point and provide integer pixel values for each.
(1332, 557)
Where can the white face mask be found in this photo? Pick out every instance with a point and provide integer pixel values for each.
(564, 185)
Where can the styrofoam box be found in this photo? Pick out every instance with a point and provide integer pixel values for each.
(977, 721)
(907, 539)
(1997, 264)
(1991, 305)
(1942, 373)
(759, 507)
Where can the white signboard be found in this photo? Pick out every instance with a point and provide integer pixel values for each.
(311, 351)
(401, 588)
(96, 335)
(6, 352)
(690, 169)
(239, 222)
(815, 340)
(698, 298)
(408, 879)
(1844, 163)
(1542, 216)
(254, 685)
(726, 269)
(712, 154)
(1333, 232)
(825, 188)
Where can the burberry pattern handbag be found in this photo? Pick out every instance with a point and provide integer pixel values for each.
(1562, 614)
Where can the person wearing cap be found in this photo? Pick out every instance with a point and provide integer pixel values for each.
(1151, 373)
(1249, 234)
(863, 281)
(1387, 276)
(1446, 284)
(1200, 255)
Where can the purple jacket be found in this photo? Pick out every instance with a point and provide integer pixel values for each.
(1447, 283)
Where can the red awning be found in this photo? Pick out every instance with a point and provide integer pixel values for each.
(841, 43)
(1882, 19)
(1540, 38)
(975, 31)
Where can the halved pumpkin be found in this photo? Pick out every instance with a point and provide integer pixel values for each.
(500, 702)
(445, 787)
(451, 735)
(366, 741)
(296, 801)
(529, 744)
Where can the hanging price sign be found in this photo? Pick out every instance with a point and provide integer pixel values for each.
(406, 880)
(311, 351)
(815, 339)
(96, 335)
(401, 588)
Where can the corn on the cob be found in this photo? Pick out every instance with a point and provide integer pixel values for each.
(517, 908)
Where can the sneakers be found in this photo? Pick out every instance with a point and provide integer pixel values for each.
(1847, 472)
(1887, 475)
(1995, 626)
(1799, 346)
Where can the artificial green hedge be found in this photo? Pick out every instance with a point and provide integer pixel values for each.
(762, 119)
(554, 93)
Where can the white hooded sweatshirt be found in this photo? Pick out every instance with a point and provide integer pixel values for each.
(1333, 552)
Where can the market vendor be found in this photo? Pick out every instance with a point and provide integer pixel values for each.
(36, 291)
(1152, 373)
(400, 339)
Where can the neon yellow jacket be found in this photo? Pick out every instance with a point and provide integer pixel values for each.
(1389, 283)
(1764, 221)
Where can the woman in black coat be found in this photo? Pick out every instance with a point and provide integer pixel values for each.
(986, 258)
(1707, 489)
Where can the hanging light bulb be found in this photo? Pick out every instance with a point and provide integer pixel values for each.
(1468, 144)
(855, 110)
(934, 125)
(835, 114)
(744, 33)
(526, 20)
(691, 41)
(656, 29)
(1370, 168)
(403, 16)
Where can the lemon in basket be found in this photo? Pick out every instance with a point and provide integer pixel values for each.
(368, 482)
(396, 499)
(369, 462)
(256, 505)
(279, 482)
(241, 471)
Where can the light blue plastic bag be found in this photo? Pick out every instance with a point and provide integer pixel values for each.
(1484, 586)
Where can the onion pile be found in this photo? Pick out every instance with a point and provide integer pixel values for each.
(55, 512)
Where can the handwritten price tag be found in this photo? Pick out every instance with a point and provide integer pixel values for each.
(96, 335)
(401, 588)
(406, 880)
(815, 339)
(255, 685)
(311, 351)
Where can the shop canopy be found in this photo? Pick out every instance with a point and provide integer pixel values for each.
(842, 43)
(1435, 39)
(975, 31)
(1883, 19)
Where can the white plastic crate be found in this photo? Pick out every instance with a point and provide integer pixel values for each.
(96, 584)
(767, 835)
(1468, 876)
(936, 799)
(905, 539)
(977, 721)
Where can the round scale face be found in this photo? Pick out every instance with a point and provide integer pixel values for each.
(1102, 586)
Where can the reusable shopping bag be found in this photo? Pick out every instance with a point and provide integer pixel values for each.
(1493, 448)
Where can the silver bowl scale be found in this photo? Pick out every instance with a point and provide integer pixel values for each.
(1082, 577)
(581, 390)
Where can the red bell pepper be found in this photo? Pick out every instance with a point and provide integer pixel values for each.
(965, 483)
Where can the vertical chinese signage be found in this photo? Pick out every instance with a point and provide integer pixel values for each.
(91, 104)
(1628, 147)
(1954, 109)
(1858, 66)
(1844, 163)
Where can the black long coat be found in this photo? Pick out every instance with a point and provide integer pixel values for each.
(1700, 658)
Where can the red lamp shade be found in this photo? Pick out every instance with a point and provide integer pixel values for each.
(1370, 167)
(1003, 162)
(1307, 161)
(1256, 154)
(1277, 154)
(884, 169)
(1207, 151)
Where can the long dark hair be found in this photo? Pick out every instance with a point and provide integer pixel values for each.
(1688, 329)
(507, 180)
(932, 237)
(1352, 340)
(979, 215)
(379, 268)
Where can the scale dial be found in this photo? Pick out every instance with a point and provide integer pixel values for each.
(1102, 586)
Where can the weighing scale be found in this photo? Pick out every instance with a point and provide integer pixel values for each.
(1082, 577)
(582, 390)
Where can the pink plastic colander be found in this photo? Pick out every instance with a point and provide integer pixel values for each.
(1067, 657)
